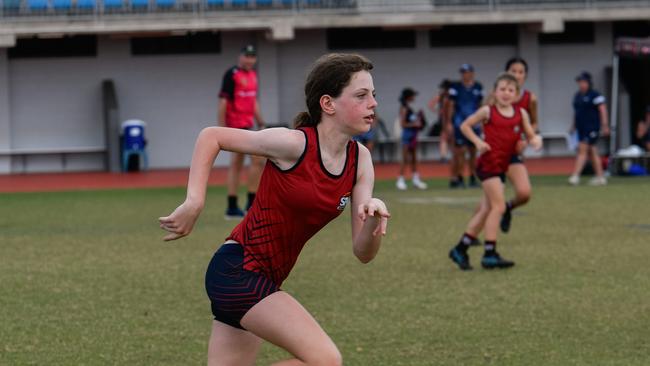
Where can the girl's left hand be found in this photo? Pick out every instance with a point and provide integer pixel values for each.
(536, 142)
(180, 222)
(375, 208)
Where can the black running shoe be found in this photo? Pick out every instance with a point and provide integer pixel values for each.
(460, 258)
(492, 261)
(234, 213)
(505, 220)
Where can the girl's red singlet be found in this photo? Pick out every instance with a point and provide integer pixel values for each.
(291, 206)
(502, 134)
(523, 102)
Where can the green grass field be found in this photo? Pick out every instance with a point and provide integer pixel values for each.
(86, 280)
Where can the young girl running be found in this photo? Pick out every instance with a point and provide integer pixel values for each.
(312, 173)
(517, 173)
(411, 123)
(503, 124)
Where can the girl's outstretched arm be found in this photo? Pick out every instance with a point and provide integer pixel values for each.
(369, 215)
(280, 145)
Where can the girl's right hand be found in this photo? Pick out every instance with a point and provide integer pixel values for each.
(482, 146)
(181, 221)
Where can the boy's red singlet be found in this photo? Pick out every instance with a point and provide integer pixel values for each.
(291, 206)
(502, 134)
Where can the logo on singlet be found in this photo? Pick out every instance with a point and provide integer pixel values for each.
(343, 201)
(516, 129)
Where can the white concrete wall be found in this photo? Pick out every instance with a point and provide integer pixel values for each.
(57, 102)
(421, 68)
(559, 65)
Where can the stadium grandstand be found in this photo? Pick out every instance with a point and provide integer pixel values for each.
(72, 70)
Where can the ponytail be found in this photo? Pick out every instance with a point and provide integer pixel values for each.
(303, 119)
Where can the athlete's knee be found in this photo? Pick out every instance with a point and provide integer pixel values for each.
(327, 356)
(523, 195)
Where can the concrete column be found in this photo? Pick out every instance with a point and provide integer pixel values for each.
(528, 49)
(269, 82)
(5, 115)
(113, 54)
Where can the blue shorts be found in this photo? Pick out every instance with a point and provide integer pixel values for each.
(461, 140)
(232, 289)
(589, 137)
(410, 138)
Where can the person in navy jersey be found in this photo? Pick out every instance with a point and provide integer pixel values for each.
(465, 98)
(590, 121)
(239, 108)
(503, 126)
(643, 130)
(312, 173)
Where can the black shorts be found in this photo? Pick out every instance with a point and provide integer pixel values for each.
(232, 289)
(483, 175)
(517, 159)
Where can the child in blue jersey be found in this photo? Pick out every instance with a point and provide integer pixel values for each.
(590, 122)
(411, 123)
(465, 98)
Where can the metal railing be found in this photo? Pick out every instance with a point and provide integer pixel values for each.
(108, 8)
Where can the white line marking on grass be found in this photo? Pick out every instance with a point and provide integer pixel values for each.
(644, 227)
(450, 201)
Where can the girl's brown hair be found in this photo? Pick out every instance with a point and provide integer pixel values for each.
(330, 74)
(504, 76)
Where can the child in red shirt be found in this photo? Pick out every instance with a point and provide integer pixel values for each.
(502, 126)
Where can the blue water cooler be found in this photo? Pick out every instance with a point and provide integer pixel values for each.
(134, 153)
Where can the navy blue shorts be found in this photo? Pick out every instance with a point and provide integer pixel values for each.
(410, 138)
(589, 137)
(232, 289)
(461, 140)
(517, 159)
